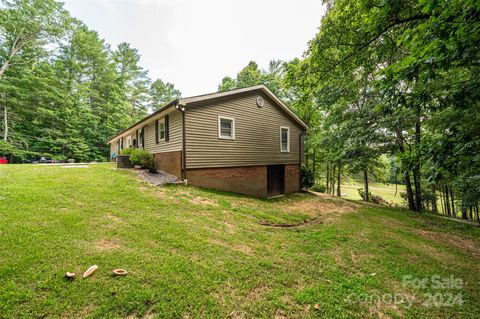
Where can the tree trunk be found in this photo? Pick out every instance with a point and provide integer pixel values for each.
(464, 213)
(13, 51)
(417, 168)
(328, 179)
(434, 200)
(447, 201)
(406, 176)
(339, 193)
(454, 213)
(333, 180)
(408, 187)
(4, 67)
(416, 181)
(442, 203)
(365, 185)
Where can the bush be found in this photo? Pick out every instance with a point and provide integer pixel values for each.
(306, 177)
(127, 151)
(59, 158)
(361, 192)
(372, 198)
(378, 200)
(319, 188)
(142, 158)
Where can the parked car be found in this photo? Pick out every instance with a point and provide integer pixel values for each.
(42, 160)
(3, 160)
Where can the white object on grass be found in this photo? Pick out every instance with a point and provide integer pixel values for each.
(90, 271)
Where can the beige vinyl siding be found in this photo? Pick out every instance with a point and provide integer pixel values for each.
(257, 133)
(113, 148)
(175, 137)
(113, 144)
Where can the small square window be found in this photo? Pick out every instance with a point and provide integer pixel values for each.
(284, 139)
(226, 128)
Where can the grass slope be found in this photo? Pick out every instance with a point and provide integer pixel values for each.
(195, 253)
(389, 192)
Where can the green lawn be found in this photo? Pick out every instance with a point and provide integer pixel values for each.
(389, 192)
(194, 253)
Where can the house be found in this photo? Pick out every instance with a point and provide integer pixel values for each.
(245, 141)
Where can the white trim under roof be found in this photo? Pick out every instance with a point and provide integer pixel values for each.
(261, 87)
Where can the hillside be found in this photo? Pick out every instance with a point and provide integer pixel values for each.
(194, 253)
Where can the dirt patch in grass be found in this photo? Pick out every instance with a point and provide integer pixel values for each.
(315, 206)
(237, 247)
(107, 244)
(83, 313)
(358, 256)
(203, 201)
(258, 293)
(279, 314)
(229, 227)
(383, 310)
(149, 315)
(323, 206)
(337, 255)
(114, 218)
(466, 245)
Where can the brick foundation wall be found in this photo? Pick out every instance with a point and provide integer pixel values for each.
(251, 180)
(292, 178)
(170, 162)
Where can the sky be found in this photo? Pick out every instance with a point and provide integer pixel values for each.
(194, 44)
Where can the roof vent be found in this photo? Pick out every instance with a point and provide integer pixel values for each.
(260, 101)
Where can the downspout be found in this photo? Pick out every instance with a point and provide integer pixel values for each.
(181, 108)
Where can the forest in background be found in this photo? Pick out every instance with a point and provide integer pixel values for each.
(390, 90)
(63, 90)
(385, 86)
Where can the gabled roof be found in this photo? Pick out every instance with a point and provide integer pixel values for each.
(204, 97)
(261, 87)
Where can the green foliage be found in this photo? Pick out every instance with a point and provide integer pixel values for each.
(372, 198)
(163, 93)
(59, 158)
(252, 75)
(397, 78)
(9, 150)
(306, 177)
(361, 193)
(319, 188)
(63, 89)
(127, 151)
(142, 158)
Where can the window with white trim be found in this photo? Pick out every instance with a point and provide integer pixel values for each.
(284, 139)
(226, 128)
(161, 129)
(140, 135)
